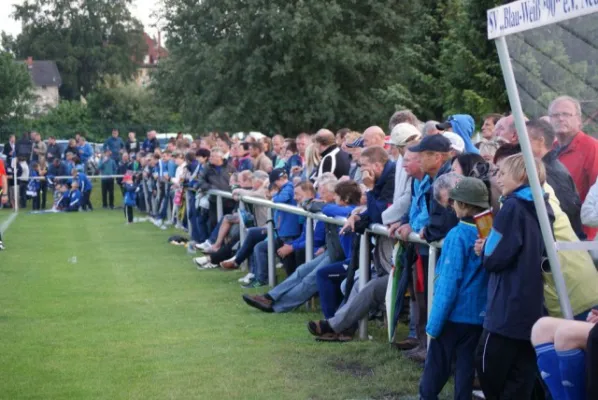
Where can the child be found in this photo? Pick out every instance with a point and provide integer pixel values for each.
(460, 290)
(74, 198)
(130, 197)
(85, 186)
(62, 201)
(513, 255)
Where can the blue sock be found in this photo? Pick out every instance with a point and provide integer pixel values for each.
(548, 364)
(573, 373)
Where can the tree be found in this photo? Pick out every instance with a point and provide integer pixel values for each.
(88, 39)
(15, 88)
(283, 66)
(470, 78)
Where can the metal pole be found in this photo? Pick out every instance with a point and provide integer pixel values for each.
(364, 276)
(511, 84)
(219, 208)
(16, 190)
(309, 245)
(432, 256)
(242, 231)
(309, 239)
(271, 259)
(168, 201)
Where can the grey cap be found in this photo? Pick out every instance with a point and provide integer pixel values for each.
(471, 191)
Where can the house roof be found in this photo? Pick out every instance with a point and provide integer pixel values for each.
(44, 73)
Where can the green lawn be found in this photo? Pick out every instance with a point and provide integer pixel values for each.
(133, 318)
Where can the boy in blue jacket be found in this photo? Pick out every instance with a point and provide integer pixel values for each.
(513, 255)
(460, 290)
(130, 200)
(74, 198)
(85, 187)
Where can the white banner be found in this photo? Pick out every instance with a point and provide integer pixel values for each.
(523, 15)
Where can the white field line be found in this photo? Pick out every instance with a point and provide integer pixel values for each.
(6, 224)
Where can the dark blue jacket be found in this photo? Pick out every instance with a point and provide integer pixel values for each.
(245, 164)
(84, 183)
(293, 161)
(319, 237)
(513, 255)
(441, 220)
(334, 210)
(130, 194)
(381, 196)
(65, 201)
(286, 223)
(74, 200)
(150, 145)
(85, 152)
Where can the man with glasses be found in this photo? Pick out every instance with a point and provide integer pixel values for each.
(577, 151)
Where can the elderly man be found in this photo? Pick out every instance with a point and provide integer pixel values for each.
(505, 130)
(406, 116)
(490, 122)
(542, 135)
(577, 151)
(401, 136)
(334, 160)
(373, 136)
(151, 143)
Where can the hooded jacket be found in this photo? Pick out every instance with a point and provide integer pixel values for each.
(381, 196)
(513, 256)
(115, 145)
(460, 281)
(464, 126)
(130, 194)
(286, 223)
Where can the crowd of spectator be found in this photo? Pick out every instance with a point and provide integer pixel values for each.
(495, 318)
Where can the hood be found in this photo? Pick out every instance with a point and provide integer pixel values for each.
(524, 193)
(464, 125)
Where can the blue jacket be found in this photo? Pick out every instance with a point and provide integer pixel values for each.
(86, 154)
(287, 224)
(418, 217)
(74, 200)
(161, 168)
(441, 219)
(464, 125)
(245, 164)
(460, 281)
(171, 166)
(513, 255)
(319, 237)
(130, 194)
(84, 183)
(108, 167)
(293, 161)
(65, 201)
(114, 145)
(381, 196)
(149, 146)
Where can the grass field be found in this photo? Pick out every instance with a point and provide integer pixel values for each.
(132, 318)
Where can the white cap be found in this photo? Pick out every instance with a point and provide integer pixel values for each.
(457, 142)
(402, 132)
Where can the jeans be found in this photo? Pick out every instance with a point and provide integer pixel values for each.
(258, 265)
(214, 235)
(457, 341)
(254, 236)
(329, 281)
(164, 201)
(300, 286)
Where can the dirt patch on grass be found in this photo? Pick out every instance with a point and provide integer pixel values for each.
(356, 369)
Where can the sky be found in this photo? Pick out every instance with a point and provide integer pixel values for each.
(142, 9)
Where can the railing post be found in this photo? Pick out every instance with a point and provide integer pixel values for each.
(242, 231)
(219, 207)
(364, 276)
(271, 259)
(146, 196)
(16, 193)
(309, 245)
(432, 255)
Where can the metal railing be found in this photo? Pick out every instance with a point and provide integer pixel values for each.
(364, 246)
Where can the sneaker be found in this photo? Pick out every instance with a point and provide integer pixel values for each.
(203, 246)
(253, 284)
(247, 278)
(158, 223)
(1, 246)
(279, 265)
(201, 260)
(207, 266)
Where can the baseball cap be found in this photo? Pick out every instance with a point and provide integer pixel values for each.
(443, 126)
(457, 142)
(435, 143)
(276, 174)
(356, 143)
(401, 134)
(471, 191)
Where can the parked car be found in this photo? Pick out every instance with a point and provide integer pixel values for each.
(163, 138)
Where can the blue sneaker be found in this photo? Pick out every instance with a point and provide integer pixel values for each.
(254, 284)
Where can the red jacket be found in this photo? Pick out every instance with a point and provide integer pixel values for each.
(581, 159)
